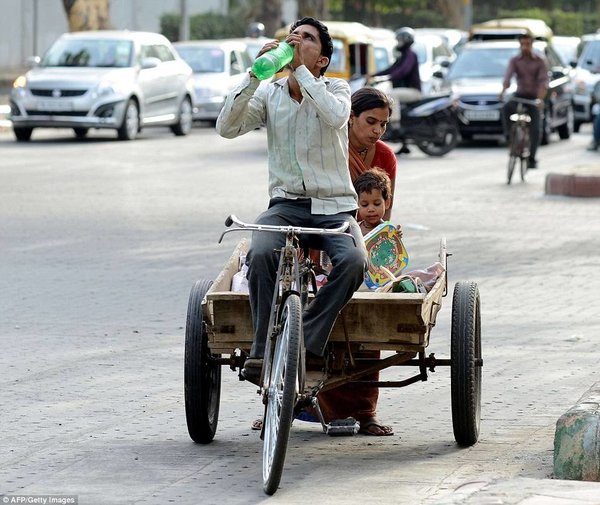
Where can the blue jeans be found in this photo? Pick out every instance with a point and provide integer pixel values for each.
(349, 265)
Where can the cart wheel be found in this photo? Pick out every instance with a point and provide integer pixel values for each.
(465, 357)
(202, 377)
(281, 393)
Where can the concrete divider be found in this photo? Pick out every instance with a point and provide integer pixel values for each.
(573, 185)
(577, 439)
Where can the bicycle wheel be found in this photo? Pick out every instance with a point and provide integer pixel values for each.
(524, 165)
(281, 393)
(516, 137)
(512, 161)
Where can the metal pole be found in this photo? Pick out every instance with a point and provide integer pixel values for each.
(467, 14)
(184, 21)
(35, 27)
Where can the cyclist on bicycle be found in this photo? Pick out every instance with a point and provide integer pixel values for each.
(531, 72)
(306, 116)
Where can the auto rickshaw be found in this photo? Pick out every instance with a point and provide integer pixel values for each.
(353, 58)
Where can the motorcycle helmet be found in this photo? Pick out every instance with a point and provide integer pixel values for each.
(255, 30)
(405, 36)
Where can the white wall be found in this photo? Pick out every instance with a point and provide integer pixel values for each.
(19, 39)
(28, 27)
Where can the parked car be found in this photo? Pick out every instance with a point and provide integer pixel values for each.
(476, 78)
(218, 66)
(433, 53)
(454, 38)
(567, 48)
(119, 80)
(586, 76)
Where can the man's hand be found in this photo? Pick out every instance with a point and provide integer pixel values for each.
(295, 40)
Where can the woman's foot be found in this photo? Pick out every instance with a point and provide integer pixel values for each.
(256, 424)
(373, 427)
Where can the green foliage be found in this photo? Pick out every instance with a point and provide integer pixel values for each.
(204, 26)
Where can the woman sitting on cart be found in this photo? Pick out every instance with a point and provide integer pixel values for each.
(369, 117)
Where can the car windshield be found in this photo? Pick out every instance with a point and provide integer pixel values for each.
(483, 63)
(203, 59)
(89, 53)
(420, 50)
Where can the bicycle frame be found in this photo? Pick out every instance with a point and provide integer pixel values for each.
(292, 275)
(519, 137)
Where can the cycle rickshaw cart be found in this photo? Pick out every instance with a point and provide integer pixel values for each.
(219, 333)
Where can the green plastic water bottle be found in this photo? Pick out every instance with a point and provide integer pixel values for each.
(271, 62)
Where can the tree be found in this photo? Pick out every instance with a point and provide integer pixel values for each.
(87, 14)
(314, 8)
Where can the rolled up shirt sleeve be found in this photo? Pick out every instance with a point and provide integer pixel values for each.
(333, 104)
(243, 111)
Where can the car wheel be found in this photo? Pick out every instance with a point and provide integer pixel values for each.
(546, 128)
(22, 134)
(184, 120)
(131, 122)
(81, 133)
(576, 126)
(564, 130)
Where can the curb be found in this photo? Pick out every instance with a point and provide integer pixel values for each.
(577, 439)
(572, 185)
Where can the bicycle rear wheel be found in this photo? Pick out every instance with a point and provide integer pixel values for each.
(512, 161)
(281, 393)
(524, 165)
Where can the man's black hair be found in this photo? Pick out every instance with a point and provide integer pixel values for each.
(324, 37)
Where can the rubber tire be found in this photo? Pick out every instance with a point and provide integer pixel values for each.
(283, 382)
(565, 130)
(512, 161)
(576, 126)
(81, 133)
(546, 129)
(22, 134)
(465, 374)
(131, 122)
(451, 136)
(202, 378)
(523, 168)
(184, 119)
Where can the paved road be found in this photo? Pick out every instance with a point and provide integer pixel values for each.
(100, 242)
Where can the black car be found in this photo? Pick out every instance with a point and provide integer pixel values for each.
(476, 76)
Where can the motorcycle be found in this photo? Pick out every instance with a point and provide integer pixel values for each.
(430, 123)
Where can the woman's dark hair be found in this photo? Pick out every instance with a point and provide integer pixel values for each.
(324, 37)
(370, 98)
(371, 179)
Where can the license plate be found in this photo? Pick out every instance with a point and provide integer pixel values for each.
(55, 105)
(482, 115)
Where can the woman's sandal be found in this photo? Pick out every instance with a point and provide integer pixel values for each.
(256, 424)
(374, 428)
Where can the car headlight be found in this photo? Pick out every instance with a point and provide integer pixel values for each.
(106, 88)
(20, 82)
(580, 87)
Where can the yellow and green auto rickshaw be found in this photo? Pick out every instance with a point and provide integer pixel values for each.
(353, 58)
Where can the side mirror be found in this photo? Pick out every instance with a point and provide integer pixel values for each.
(150, 62)
(33, 61)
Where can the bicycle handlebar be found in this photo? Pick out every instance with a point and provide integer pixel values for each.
(287, 229)
(528, 101)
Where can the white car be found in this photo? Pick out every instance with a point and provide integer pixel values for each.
(218, 66)
(119, 80)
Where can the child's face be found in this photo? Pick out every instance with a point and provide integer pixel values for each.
(371, 206)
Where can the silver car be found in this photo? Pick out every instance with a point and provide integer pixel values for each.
(119, 80)
(219, 66)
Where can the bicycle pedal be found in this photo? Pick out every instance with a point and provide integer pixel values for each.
(343, 427)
